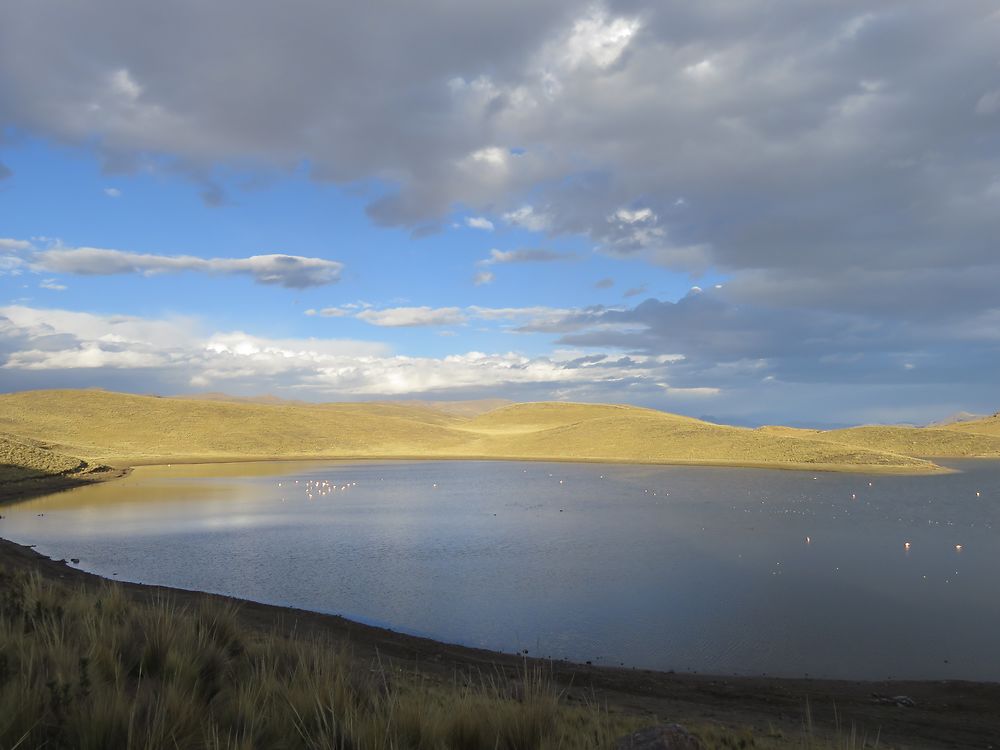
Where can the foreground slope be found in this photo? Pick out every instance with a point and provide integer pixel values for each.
(126, 429)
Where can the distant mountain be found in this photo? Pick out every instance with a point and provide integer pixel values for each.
(957, 418)
(981, 426)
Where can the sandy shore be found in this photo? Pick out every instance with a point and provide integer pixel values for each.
(946, 714)
(881, 469)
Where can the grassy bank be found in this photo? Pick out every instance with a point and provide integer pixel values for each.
(81, 669)
(88, 663)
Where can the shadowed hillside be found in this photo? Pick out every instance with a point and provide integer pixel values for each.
(125, 429)
(23, 459)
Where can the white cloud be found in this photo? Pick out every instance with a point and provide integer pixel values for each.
(49, 341)
(52, 284)
(400, 317)
(529, 319)
(479, 222)
(330, 312)
(112, 192)
(483, 277)
(634, 216)
(527, 218)
(10, 244)
(594, 40)
(493, 156)
(291, 271)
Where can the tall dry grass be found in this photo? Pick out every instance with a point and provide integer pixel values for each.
(86, 670)
(94, 669)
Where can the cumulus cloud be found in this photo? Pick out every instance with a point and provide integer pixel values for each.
(808, 134)
(291, 271)
(177, 354)
(400, 317)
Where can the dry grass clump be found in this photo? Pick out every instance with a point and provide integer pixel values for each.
(95, 670)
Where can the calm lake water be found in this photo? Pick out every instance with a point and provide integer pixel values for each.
(712, 570)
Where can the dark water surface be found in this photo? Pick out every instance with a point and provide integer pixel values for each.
(714, 570)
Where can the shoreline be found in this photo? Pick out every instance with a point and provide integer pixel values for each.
(126, 464)
(948, 713)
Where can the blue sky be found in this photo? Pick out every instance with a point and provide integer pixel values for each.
(153, 212)
(685, 208)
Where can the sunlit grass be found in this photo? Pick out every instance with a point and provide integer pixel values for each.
(123, 429)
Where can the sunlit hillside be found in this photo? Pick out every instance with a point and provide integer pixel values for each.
(125, 429)
(984, 426)
(915, 441)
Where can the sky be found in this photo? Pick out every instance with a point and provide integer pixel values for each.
(756, 211)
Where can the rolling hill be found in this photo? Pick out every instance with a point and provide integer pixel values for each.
(983, 426)
(926, 442)
(123, 429)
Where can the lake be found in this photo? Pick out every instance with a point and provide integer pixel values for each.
(713, 570)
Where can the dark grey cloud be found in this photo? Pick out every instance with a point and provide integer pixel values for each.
(726, 343)
(814, 137)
